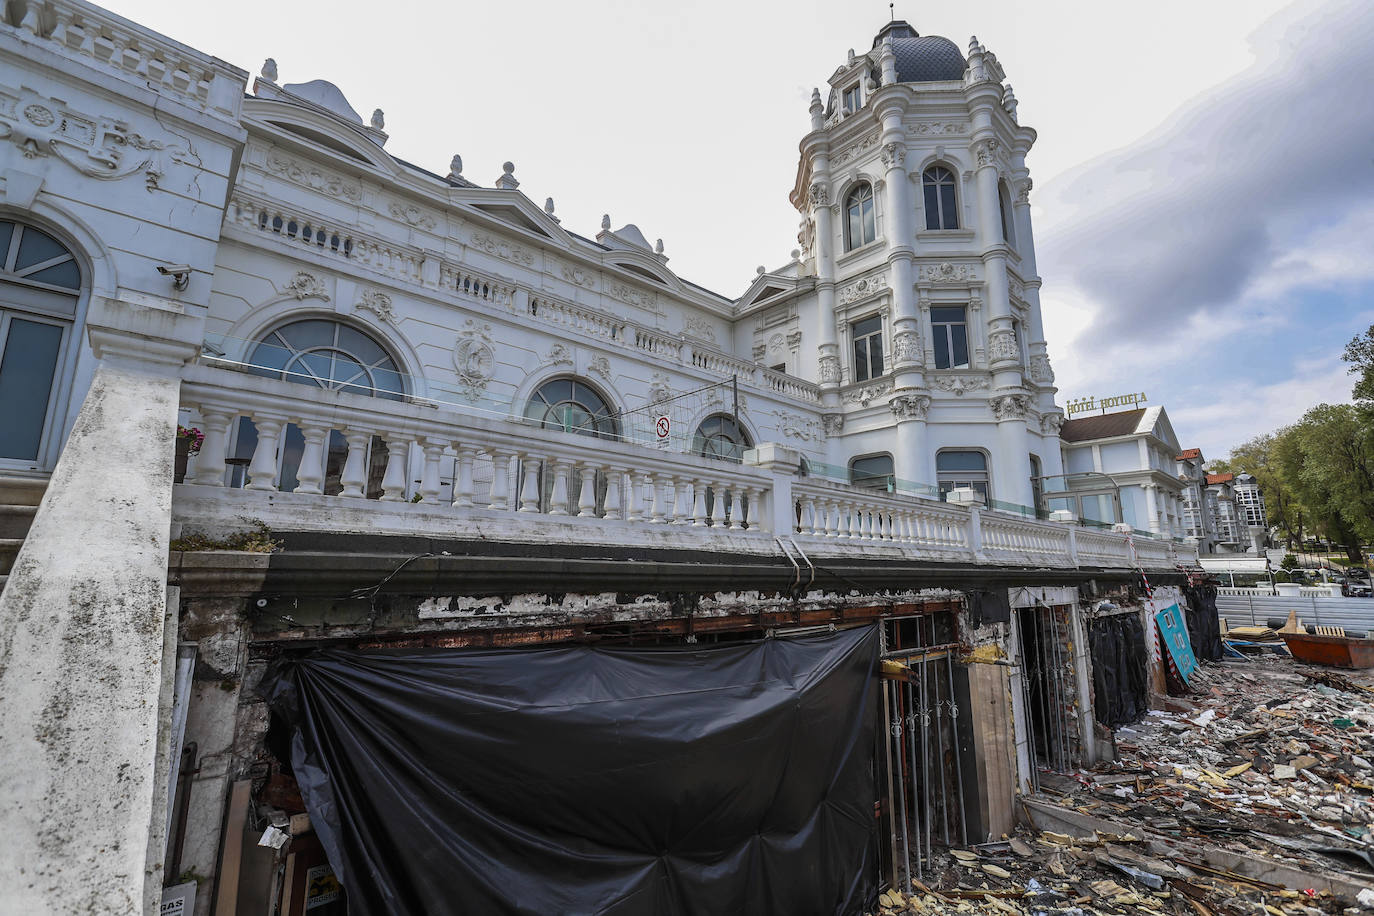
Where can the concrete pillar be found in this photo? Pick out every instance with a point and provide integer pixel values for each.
(818, 199)
(1152, 507)
(84, 639)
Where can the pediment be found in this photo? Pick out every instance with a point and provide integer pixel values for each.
(320, 128)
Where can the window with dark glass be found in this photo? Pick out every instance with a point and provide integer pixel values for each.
(868, 348)
(719, 436)
(874, 471)
(851, 98)
(959, 468)
(1004, 207)
(859, 228)
(569, 405)
(328, 354)
(941, 213)
(949, 335)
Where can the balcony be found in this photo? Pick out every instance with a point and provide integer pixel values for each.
(335, 461)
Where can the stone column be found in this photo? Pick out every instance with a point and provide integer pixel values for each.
(1152, 507)
(83, 629)
(818, 200)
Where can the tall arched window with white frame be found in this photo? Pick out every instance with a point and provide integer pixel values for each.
(859, 225)
(941, 210)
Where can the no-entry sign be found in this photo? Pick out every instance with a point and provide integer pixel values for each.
(662, 426)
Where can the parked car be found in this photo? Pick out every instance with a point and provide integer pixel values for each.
(1357, 584)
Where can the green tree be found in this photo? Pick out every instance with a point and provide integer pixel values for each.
(1360, 354)
(1290, 562)
(1328, 460)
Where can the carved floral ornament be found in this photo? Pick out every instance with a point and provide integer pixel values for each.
(698, 327)
(577, 276)
(96, 146)
(946, 272)
(377, 302)
(412, 216)
(305, 286)
(600, 366)
(1002, 346)
(862, 145)
(862, 289)
(906, 347)
(1040, 371)
(1010, 406)
(1051, 423)
(959, 384)
(558, 354)
(474, 358)
(829, 369)
(631, 296)
(833, 423)
(505, 250)
(866, 394)
(818, 194)
(308, 176)
(1023, 189)
(660, 388)
(986, 151)
(910, 406)
(893, 155)
(940, 128)
(796, 426)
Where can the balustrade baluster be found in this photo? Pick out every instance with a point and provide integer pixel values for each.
(717, 506)
(500, 479)
(682, 501)
(262, 470)
(429, 480)
(831, 510)
(210, 461)
(397, 470)
(529, 487)
(699, 517)
(634, 498)
(757, 517)
(736, 515)
(354, 476)
(586, 501)
(558, 499)
(655, 484)
(614, 479)
(310, 474)
(462, 487)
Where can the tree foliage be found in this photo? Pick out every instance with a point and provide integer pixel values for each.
(1327, 461)
(1360, 354)
(1257, 458)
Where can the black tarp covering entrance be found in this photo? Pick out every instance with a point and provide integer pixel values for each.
(1204, 627)
(1121, 692)
(581, 780)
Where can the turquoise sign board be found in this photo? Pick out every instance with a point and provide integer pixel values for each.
(1174, 630)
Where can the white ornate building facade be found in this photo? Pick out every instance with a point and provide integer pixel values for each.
(435, 386)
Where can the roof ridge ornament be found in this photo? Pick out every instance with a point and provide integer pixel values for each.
(507, 180)
(269, 70)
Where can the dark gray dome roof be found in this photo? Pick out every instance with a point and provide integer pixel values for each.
(922, 59)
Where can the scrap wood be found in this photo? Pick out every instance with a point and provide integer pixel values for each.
(980, 893)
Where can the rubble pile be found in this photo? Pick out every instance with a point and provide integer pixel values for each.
(1266, 761)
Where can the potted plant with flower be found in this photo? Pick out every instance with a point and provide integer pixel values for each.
(189, 440)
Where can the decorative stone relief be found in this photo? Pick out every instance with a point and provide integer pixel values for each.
(600, 366)
(986, 151)
(862, 289)
(305, 286)
(906, 347)
(945, 272)
(776, 344)
(660, 388)
(959, 384)
(631, 296)
(504, 250)
(910, 406)
(1051, 423)
(939, 128)
(866, 394)
(893, 154)
(794, 339)
(698, 327)
(316, 180)
(577, 276)
(829, 369)
(474, 357)
(1016, 287)
(797, 426)
(96, 146)
(760, 352)
(818, 194)
(806, 235)
(558, 354)
(1023, 189)
(1010, 406)
(853, 151)
(1002, 346)
(412, 216)
(377, 302)
(1040, 371)
(832, 423)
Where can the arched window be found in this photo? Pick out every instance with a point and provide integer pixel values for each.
(941, 212)
(962, 468)
(40, 283)
(331, 355)
(574, 407)
(719, 436)
(873, 472)
(859, 227)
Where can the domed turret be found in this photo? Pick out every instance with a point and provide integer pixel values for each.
(922, 59)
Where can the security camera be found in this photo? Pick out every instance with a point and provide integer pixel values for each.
(180, 274)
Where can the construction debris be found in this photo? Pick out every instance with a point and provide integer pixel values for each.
(1254, 795)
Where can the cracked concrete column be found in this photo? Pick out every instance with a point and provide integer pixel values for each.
(84, 630)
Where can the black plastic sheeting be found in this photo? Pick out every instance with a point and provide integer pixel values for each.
(1204, 626)
(989, 606)
(588, 780)
(1121, 693)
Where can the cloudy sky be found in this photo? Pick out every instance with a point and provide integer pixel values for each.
(1203, 206)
